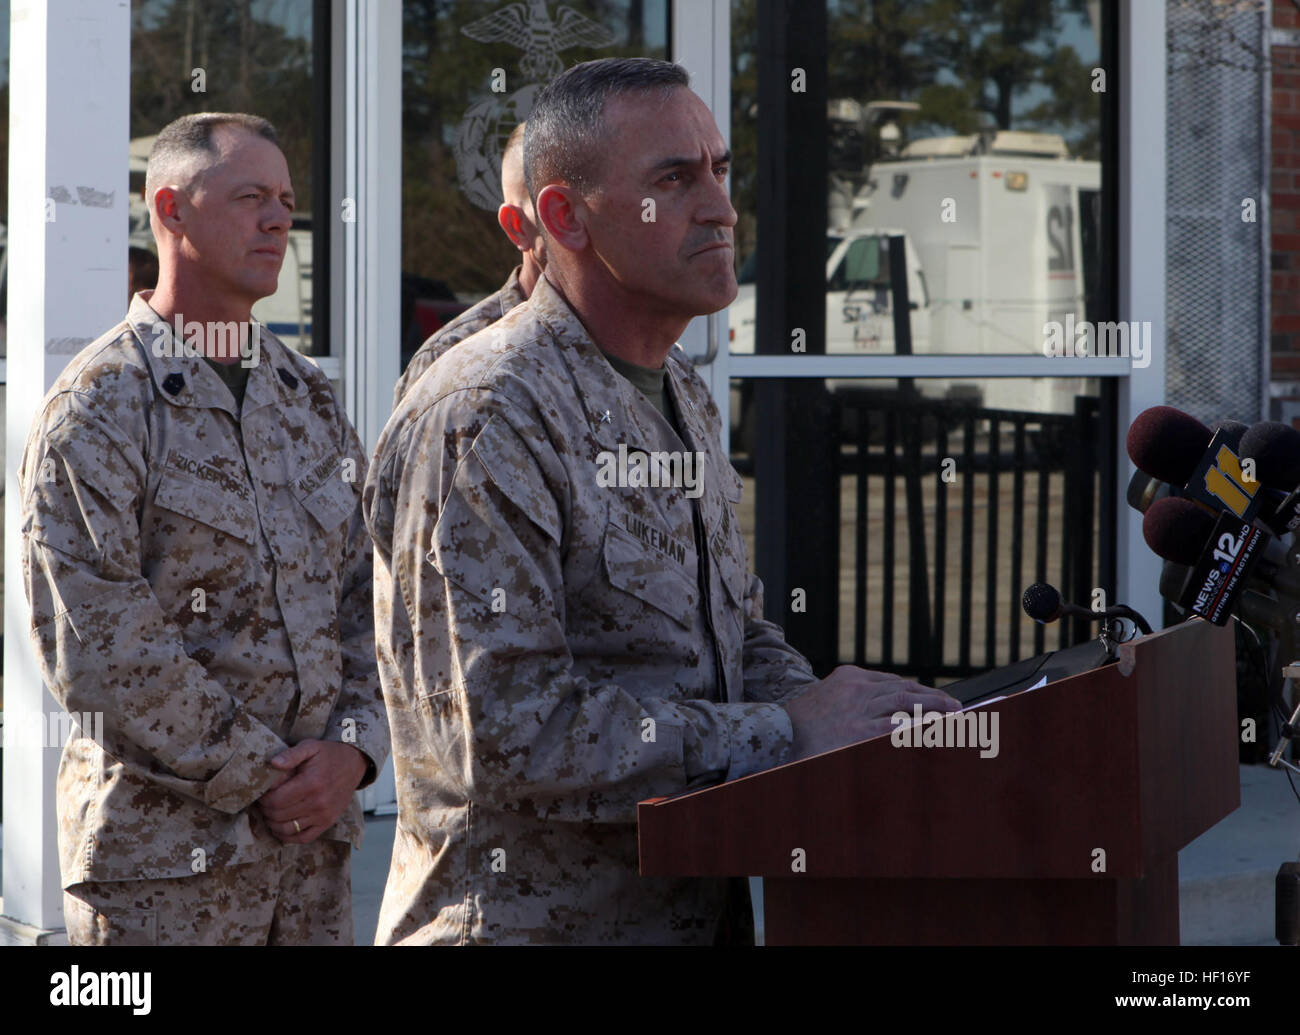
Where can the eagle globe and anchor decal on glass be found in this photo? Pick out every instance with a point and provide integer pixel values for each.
(487, 123)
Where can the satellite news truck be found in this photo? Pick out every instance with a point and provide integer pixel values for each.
(1006, 229)
(1001, 237)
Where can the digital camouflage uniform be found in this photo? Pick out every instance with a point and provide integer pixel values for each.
(547, 656)
(303, 897)
(471, 321)
(203, 580)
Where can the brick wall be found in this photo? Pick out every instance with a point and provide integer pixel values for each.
(1284, 198)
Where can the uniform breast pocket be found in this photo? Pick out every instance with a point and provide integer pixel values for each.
(208, 504)
(325, 494)
(649, 577)
(728, 543)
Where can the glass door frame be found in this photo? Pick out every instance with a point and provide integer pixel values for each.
(1133, 170)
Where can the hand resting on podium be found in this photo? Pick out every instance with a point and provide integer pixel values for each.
(853, 704)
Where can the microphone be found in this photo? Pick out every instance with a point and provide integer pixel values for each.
(1253, 607)
(1222, 554)
(1178, 530)
(1167, 443)
(1173, 580)
(1043, 603)
(1275, 449)
(1143, 490)
(1175, 447)
(1234, 430)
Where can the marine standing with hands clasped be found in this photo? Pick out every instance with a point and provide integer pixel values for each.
(199, 573)
(556, 645)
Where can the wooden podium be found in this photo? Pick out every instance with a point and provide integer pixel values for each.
(1068, 836)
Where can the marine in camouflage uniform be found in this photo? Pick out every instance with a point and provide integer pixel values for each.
(471, 321)
(200, 574)
(554, 650)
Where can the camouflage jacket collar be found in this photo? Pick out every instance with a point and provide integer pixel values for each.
(187, 380)
(510, 293)
(616, 410)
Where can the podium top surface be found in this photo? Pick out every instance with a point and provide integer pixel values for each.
(1117, 768)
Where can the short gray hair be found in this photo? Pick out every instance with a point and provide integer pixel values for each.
(180, 142)
(515, 141)
(566, 128)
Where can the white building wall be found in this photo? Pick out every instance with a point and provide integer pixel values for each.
(70, 64)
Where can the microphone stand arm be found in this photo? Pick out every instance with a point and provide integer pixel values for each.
(1124, 611)
(1290, 729)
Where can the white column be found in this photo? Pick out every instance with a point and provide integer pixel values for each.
(701, 44)
(69, 77)
(1141, 248)
(366, 259)
(366, 249)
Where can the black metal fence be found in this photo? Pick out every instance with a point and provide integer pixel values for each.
(960, 507)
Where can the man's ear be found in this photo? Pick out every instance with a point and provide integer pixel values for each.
(512, 221)
(167, 210)
(561, 211)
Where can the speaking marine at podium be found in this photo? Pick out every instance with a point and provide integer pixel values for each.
(565, 620)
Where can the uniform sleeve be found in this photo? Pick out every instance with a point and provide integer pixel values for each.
(456, 330)
(104, 644)
(506, 715)
(359, 717)
(420, 362)
(774, 670)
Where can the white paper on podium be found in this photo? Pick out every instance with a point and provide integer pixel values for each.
(1042, 681)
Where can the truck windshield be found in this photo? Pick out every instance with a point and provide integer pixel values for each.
(861, 266)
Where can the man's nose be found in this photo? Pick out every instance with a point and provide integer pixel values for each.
(277, 216)
(717, 208)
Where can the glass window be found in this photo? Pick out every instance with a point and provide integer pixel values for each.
(4, 178)
(4, 212)
(225, 55)
(470, 73)
(973, 132)
(962, 173)
(982, 500)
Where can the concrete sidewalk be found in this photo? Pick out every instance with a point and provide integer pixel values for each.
(1225, 876)
(369, 871)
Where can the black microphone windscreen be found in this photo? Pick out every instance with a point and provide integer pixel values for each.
(1177, 529)
(1233, 429)
(1173, 580)
(1275, 448)
(1167, 443)
(1042, 602)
